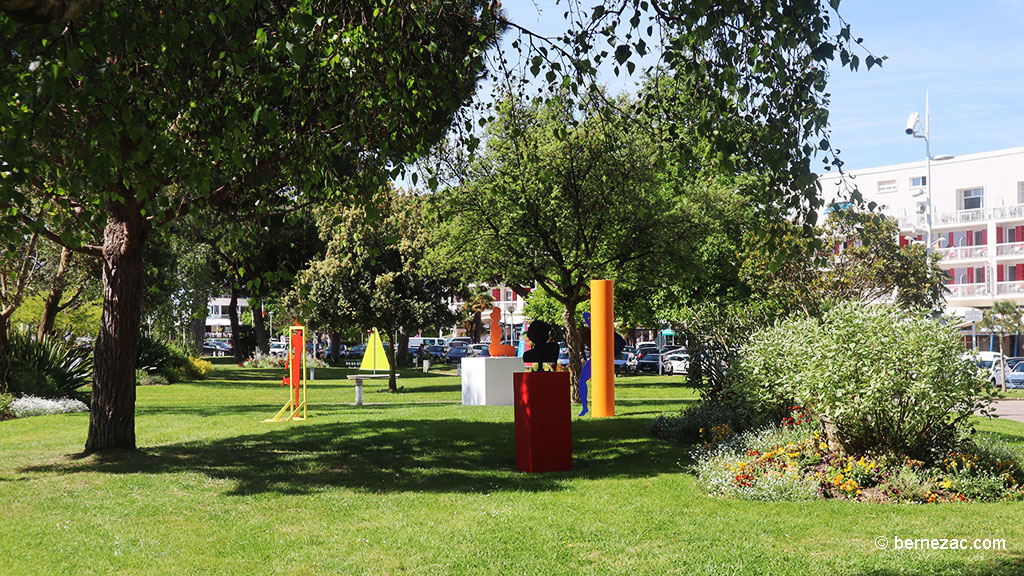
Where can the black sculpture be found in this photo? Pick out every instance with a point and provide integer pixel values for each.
(542, 351)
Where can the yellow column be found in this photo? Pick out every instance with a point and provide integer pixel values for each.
(602, 348)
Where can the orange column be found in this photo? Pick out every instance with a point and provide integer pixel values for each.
(602, 348)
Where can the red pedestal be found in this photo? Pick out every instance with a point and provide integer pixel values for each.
(543, 421)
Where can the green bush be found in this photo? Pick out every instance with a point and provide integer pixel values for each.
(881, 379)
(155, 356)
(47, 368)
(143, 378)
(5, 405)
(693, 421)
(197, 368)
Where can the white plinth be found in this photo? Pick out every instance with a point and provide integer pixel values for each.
(488, 381)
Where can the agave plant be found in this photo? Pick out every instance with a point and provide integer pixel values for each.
(47, 367)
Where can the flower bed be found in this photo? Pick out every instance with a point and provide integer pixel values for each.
(793, 462)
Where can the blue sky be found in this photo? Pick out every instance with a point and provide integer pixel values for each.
(969, 55)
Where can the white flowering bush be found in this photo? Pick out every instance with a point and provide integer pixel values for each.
(32, 406)
(881, 379)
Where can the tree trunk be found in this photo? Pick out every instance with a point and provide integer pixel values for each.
(389, 351)
(4, 344)
(259, 326)
(233, 318)
(112, 413)
(52, 305)
(574, 342)
(335, 347)
(403, 347)
(198, 329)
(474, 335)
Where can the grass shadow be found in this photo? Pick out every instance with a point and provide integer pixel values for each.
(388, 455)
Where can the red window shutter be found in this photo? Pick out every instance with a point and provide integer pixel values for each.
(952, 276)
(999, 273)
(970, 237)
(999, 235)
(496, 294)
(984, 237)
(920, 238)
(515, 296)
(950, 240)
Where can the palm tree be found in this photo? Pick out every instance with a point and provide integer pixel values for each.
(480, 302)
(1002, 320)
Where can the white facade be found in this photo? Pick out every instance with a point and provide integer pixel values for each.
(218, 322)
(977, 217)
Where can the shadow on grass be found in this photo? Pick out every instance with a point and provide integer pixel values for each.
(390, 455)
(1001, 566)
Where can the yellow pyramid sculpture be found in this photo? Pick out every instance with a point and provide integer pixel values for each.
(375, 358)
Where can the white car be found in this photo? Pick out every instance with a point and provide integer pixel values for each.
(991, 361)
(279, 349)
(677, 363)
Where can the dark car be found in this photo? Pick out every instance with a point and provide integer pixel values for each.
(434, 353)
(216, 348)
(456, 354)
(651, 362)
(356, 351)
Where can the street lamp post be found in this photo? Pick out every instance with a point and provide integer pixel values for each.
(913, 129)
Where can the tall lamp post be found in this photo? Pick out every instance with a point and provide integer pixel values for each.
(914, 129)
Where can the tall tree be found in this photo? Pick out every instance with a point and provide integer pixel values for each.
(380, 272)
(1002, 320)
(147, 111)
(560, 196)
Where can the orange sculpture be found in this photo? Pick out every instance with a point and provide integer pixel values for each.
(497, 348)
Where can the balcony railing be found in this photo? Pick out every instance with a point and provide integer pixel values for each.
(1014, 249)
(965, 290)
(963, 252)
(963, 216)
(1009, 288)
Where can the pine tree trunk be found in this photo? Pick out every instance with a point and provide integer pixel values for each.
(233, 318)
(259, 326)
(112, 413)
(52, 304)
(574, 342)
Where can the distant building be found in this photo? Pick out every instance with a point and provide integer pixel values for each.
(977, 218)
(218, 323)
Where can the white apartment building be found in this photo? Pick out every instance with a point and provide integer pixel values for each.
(218, 323)
(977, 203)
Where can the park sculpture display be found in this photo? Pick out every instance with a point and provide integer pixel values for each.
(543, 425)
(487, 380)
(295, 378)
(374, 359)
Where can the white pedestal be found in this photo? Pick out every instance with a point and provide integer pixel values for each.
(488, 381)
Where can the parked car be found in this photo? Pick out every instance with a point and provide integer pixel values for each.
(216, 348)
(415, 341)
(625, 362)
(1015, 377)
(677, 363)
(356, 352)
(279, 349)
(463, 340)
(1011, 363)
(990, 361)
(456, 354)
(434, 353)
(479, 349)
(649, 363)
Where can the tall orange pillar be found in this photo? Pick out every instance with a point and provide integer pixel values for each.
(602, 348)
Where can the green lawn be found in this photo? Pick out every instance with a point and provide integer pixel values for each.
(418, 484)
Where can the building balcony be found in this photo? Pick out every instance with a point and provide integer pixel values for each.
(1009, 288)
(1010, 249)
(961, 253)
(970, 290)
(962, 217)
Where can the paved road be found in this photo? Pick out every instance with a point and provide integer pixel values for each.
(1010, 409)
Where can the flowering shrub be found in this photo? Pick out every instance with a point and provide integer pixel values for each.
(907, 372)
(197, 368)
(265, 361)
(33, 406)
